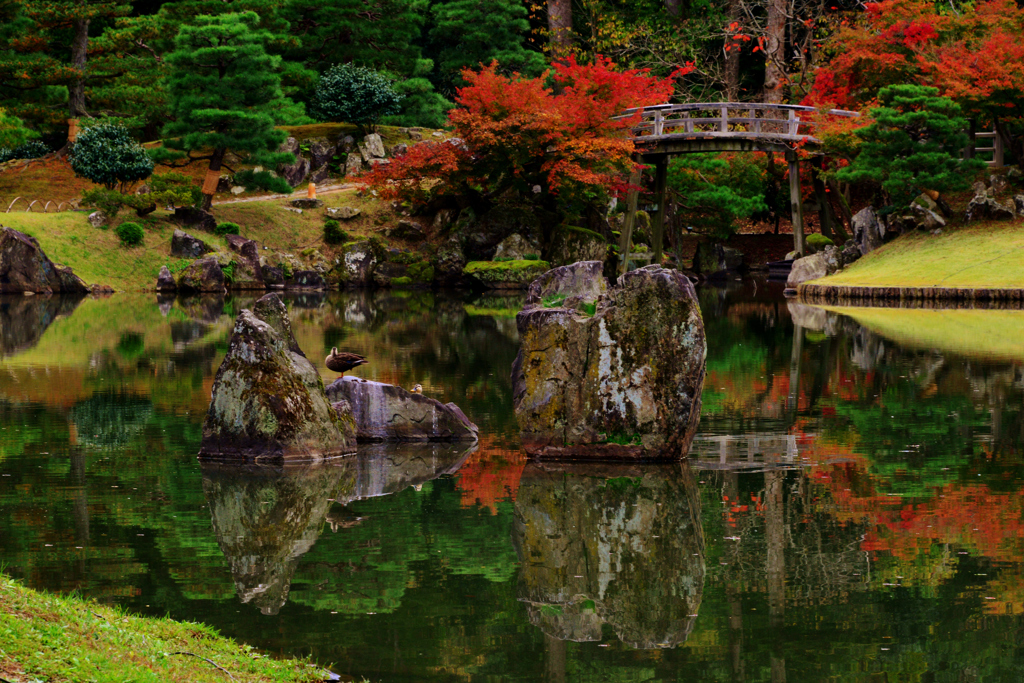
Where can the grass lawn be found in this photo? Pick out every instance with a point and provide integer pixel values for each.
(971, 256)
(983, 334)
(56, 639)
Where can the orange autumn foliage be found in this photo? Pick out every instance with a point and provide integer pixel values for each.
(553, 135)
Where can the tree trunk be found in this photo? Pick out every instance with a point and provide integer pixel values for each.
(212, 178)
(560, 27)
(732, 57)
(79, 52)
(673, 7)
(775, 52)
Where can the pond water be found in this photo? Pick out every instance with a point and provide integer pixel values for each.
(851, 510)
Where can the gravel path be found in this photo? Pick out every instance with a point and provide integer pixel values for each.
(326, 189)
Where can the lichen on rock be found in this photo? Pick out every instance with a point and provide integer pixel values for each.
(268, 402)
(609, 374)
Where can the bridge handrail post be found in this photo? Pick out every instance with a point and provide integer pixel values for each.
(794, 123)
(659, 123)
(724, 127)
(997, 150)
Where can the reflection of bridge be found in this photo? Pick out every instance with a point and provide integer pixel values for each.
(669, 129)
(756, 451)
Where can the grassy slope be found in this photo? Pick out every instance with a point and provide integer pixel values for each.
(974, 333)
(98, 257)
(977, 255)
(56, 639)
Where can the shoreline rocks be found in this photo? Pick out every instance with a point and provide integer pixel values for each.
(609, 373)
(25, 267)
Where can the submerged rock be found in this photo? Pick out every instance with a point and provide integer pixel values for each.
(268, 402)
(24, 267)
(618, 544)
(615, 374)
(384, 412)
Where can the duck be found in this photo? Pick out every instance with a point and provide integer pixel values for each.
(342, 362)
(418, 389)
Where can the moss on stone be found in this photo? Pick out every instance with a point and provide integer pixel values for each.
(401, 281)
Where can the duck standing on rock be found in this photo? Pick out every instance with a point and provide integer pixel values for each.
(344, 361)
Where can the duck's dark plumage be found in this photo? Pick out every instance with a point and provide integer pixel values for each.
(343, 361)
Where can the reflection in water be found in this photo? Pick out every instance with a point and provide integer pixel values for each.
(267, 518)
(615, 544)
(110, 419)
(23, 319)
(859, 476)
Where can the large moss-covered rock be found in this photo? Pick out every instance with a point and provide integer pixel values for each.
(247, 272)
(610, 544)
(355, 265)
(204, 275)
(384, 412)
(24, 267)
(713, 260)
(504, 274)
(268, 402)
(617, 378)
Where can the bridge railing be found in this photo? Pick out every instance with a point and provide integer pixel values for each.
(780, 122)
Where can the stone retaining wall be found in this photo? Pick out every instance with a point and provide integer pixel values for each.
(944, 297)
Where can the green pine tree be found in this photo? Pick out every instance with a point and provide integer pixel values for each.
(913, 145)
(50, 58)
(223, 88)
(468, 33)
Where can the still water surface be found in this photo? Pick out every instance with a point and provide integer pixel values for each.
(851, 511)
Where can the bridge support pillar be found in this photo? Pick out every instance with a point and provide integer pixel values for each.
(658, 224)
(626, 238)
(795, 201)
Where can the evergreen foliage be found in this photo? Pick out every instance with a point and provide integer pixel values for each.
(468, 33)
(130, 234)
(354, 94)
(226, 228)
(713, 191)
(913, 145)
(333, 233)
(109, 156)
(421, 104)
(223, 89)
(13, 133)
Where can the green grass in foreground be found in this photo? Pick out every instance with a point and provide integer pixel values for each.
(979, 255)
(983, 334)
(52, 638)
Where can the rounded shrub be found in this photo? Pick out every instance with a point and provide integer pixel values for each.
(333, 233)
(107, 155)
(226, 228)
(354, 94)
(32, 149)
(131, 234)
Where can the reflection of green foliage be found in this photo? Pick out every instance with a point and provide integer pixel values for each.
(110, 420)
(132, 345)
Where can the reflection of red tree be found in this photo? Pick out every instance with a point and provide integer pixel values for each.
(491, 474)
(966, 514)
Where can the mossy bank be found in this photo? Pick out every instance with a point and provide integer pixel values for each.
(55, 638)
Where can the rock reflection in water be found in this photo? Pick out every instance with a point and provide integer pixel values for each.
(381, 469)
(23, 319)
(267, 518)
(615, 544)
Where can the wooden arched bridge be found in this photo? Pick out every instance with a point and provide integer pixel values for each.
(666, 130)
